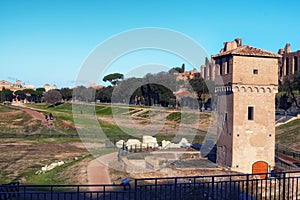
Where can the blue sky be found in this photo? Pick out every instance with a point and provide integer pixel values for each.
(47, 41)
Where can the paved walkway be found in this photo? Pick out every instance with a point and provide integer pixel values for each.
(97, 170)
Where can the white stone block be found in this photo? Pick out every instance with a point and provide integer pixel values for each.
(120, 143)
(133, 142)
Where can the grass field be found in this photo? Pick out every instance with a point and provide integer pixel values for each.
(22, 153)
(289, 134)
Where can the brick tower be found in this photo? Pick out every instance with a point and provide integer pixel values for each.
(246, 84)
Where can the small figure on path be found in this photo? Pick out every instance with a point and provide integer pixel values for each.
(51, 116)
(46, 117)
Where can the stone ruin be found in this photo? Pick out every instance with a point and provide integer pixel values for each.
(47, 168)
(151, 142)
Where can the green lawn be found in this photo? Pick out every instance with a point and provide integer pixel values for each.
(289, 134)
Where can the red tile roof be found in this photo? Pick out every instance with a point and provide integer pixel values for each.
(246, 50)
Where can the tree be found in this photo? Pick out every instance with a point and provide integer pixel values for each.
(28, 94)
(104, 94)
(183, 67)
(177, 69)
(199, 86)
(66, 94)
(6, 95)
(127, 91)
(289, 86)
(3, 94)
(285, 102)
(52, 96)
(113, 78)
(39, 94)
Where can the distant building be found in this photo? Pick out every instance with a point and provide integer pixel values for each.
(95, 86)
(49, 87)
(208, 70)
(188, 75)
(5, 84)
(289, 62)
(246, 83)
(29, 87)
(12, 86)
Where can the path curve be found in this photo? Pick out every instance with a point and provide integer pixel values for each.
(97, 169)
(36, 115)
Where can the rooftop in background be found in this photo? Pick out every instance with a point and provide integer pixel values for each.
(236, 48)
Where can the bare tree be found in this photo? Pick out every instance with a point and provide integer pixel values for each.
(52, 96)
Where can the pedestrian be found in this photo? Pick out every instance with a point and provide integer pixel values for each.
(51, 116)
(46, 117)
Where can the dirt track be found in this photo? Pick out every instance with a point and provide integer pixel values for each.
(97, 169)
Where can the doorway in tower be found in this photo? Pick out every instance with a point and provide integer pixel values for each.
(260, 167)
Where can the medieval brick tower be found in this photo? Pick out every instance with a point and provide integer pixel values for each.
(246, 84)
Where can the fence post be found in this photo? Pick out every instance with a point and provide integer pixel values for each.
(283, 182)
(51, 195)
(77, 192)
(135, 188)
(175, 188)
(247, 186)
(213, 187)
(24, 188)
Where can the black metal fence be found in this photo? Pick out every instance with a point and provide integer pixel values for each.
(283, 185)
(65, 192)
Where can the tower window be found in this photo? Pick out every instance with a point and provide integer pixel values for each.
(250, 113)
(255, 71)
(221, 67)
(227, 66)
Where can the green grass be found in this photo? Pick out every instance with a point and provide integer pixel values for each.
(18, 123)
(145, 114)
(53, 176)
(133, 111)
(63, 113)
(289, 125)
(114, 133)
(174, 116)
(6, 108)
(104, 111)
(289, 134)
(188, 118)
(52, 140)
(104, 151)
(198, 138)
(50, 177)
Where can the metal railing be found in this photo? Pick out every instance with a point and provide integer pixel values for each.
(284, 185)
(281, 185)
(65, 192)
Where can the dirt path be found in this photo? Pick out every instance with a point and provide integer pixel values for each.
(38, 116)
(97, 169)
